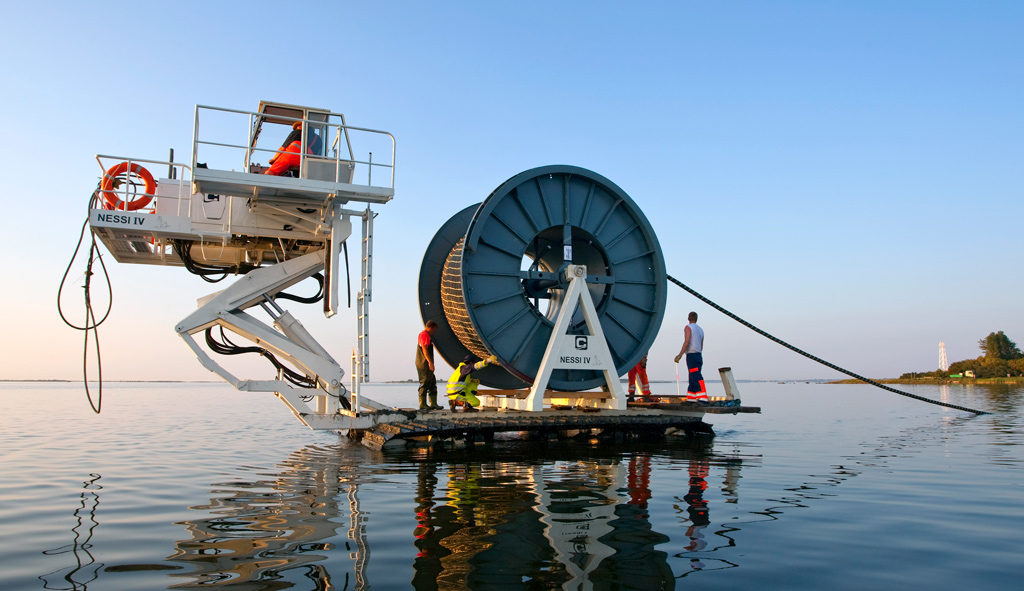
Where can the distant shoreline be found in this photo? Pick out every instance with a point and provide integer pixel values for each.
(937, 381)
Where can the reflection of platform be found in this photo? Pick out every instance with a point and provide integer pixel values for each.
(225, 182)
(278, 529)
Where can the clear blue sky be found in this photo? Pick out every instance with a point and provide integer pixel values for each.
(847, 175)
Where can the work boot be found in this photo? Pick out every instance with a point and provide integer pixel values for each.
(433, 402)
(451, 405)
(469, 408)
(423, 401)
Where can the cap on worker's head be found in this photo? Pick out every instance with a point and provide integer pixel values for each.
(297, 125)
(469, 359)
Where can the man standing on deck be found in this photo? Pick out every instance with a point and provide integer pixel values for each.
(693, 346)
(425, 367)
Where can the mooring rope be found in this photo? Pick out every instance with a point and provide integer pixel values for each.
(816, 358)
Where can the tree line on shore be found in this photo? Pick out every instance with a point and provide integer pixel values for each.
(1000, 358)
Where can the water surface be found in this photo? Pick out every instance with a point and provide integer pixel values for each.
(194, 486)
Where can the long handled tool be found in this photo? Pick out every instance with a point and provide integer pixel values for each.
(678, 392)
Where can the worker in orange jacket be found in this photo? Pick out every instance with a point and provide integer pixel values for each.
(288, 156)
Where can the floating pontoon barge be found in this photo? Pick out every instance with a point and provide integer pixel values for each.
(558, 274)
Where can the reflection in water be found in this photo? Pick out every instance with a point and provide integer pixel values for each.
(697, 509)
(551, 522)
(274, 532)
(571, 517)
(631, 560)
(84, 568)
(1005, 402)
(565, 516)
(697, 518)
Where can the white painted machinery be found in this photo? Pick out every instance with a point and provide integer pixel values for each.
(224, 214)
(557, 274)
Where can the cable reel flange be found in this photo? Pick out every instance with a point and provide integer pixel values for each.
(446, 343)
(502, 280)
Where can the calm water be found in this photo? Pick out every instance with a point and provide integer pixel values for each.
(197, 486)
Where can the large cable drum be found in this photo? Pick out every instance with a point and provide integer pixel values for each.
(493, 275)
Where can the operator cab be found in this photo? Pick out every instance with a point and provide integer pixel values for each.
(280, 120)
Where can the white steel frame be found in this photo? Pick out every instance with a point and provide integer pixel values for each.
(576, 296)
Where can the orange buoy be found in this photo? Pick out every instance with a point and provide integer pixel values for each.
(111, 179)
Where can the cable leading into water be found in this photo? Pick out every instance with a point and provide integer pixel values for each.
(91, 322)
(816, 358)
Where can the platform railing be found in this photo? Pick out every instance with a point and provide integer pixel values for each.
(127, 191)
(335, 127)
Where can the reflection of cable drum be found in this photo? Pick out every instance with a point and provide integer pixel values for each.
(493, 280)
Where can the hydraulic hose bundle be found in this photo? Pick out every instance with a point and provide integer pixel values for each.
(209, 273)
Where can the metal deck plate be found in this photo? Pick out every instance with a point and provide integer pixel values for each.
(225, 182)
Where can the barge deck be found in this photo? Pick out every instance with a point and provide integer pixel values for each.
(640, 420)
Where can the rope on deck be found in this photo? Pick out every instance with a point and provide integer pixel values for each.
(819, 359)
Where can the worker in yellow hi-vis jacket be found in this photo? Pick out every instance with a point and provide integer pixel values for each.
(462, 385)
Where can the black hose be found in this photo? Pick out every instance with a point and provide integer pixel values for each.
(209, 273)
(319, 295)
(226, 347)
(819, 359)
(91, 323)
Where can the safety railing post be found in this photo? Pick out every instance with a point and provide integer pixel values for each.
(392, 160)
(195, 138)
(248, 146)
(337, 156)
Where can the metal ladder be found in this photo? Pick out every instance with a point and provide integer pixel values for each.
(363, 299)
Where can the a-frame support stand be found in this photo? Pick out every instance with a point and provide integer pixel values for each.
(571, 351)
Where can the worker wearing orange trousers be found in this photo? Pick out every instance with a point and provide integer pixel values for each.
(693, 347)
(639, 371)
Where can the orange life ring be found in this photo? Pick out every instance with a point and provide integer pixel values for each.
(111, 176)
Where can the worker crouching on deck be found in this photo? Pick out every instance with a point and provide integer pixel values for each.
(462, 385)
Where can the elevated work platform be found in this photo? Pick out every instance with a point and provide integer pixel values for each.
(227, 182)
(266, 201)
